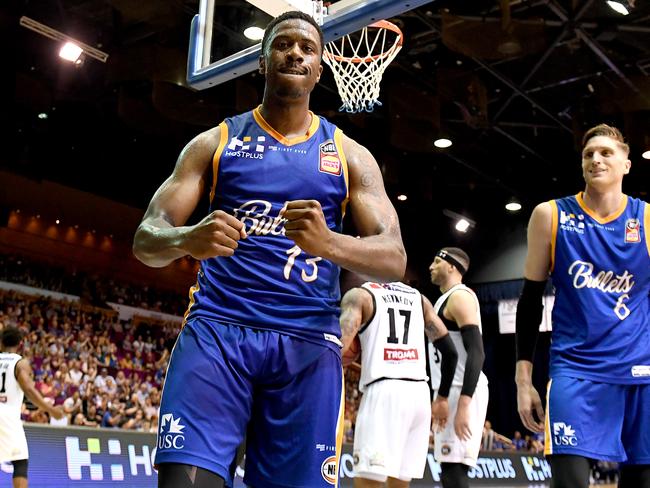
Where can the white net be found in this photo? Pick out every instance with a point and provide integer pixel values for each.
(358, 62)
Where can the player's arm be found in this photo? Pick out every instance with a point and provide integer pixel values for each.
(24, 378)
(462, 308)
(357, 308)
(379, 254)
(529, 313)
(162, 237)
(437, 333)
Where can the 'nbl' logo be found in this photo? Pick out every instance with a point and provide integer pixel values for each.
(328, 470)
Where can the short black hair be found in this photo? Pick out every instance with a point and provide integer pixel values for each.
(459, 255)
(293, 14)
(10, 337)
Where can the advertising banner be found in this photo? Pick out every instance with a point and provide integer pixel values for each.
(66, 457)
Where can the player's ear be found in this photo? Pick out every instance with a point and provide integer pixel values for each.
(320, 72)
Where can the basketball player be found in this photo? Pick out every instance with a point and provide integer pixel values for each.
(15, 382)
(260, 349)
(595, 246)
(458, 445)
(391, 439)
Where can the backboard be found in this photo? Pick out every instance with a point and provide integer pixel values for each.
(219, 51)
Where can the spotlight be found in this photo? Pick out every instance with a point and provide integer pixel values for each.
(513, 205)
(402, 197)
(254, 33)
(619, 6)
(70, 52)
(462, 225)
(646, 155)
(442, 143)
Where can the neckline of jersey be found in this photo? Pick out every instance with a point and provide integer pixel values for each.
(602, 220)
(265, 126)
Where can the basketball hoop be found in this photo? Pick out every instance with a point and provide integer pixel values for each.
(358, 62)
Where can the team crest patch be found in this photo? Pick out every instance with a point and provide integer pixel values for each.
(328, 470)
(632, 230)
(329, 161)
(445, 449)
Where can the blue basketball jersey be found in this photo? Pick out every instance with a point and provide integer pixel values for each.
(270, 283)
(601, 274)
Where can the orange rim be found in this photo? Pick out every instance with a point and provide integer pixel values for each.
(380, 24)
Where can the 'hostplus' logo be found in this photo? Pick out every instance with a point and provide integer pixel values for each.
(173, 438)
(564, 435)
(572, 222)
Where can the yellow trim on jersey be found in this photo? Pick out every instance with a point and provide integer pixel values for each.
(338, 141)
(646, 225)
(313, 127)
(553, 232)
(217, 157)
(548, 440)
(193, 290)
(602, 220)
(340, 428)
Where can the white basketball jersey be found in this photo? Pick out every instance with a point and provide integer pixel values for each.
(456, 337)
(11, 394)
(392, 343)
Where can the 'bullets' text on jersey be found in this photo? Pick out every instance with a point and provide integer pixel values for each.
(270, 283)
(601, 274)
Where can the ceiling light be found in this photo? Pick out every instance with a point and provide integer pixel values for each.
(42, 116)
(442, 143)
(254, 33)
(402, 197)
(70, 52)
(47, 31)
(462, 225)
(646, 155)
(513, 205)
(57, 221)
(619, 7)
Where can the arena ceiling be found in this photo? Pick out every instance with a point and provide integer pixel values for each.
(513, 83)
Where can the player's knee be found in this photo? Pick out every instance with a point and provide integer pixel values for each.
(20, 468)
(454, 475)
(569, 471)
(174, 475)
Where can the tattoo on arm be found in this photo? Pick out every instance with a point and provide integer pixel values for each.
(431, 330)
(368, 180)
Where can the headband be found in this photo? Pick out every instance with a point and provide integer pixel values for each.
(442, 254)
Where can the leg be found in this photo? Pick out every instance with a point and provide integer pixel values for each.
(635, 473)
(635, 476)
(569, 471)
(20, 473)
(206, 398)
(366, 483)
(173, 475)
(454, 475)
(297, 416)
(397, 483)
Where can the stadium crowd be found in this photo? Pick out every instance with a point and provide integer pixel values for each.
(108, 372)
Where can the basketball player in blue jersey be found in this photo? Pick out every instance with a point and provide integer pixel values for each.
(595, 246)
(259, 353)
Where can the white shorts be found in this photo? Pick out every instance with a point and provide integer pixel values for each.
(391, 438)
(13, 443)
(448, 447)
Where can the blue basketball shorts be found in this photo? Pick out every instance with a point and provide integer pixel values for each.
(602, 421)
(284, 394)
